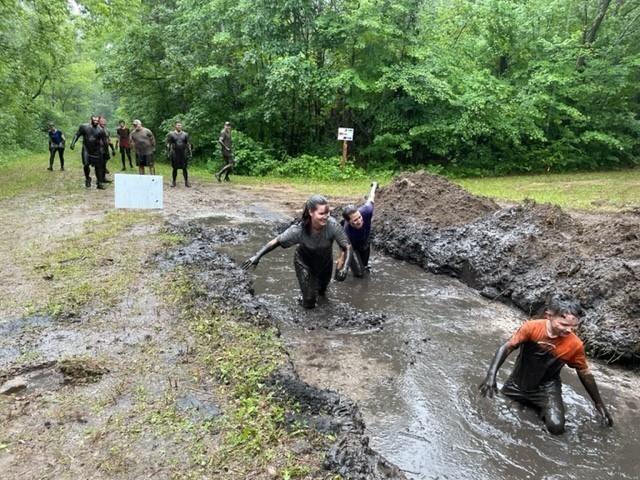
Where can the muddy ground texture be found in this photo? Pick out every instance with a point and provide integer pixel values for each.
(52, 371)
(99, 394)
(521, 253)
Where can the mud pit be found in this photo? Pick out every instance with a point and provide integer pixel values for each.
(520, 254)
(437, 232)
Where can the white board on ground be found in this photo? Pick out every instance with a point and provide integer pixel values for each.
(138, 191)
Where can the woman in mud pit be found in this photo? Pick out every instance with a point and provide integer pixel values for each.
(313, 259)
(357, 226)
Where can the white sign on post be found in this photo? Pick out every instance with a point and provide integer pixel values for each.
(345, 134)
(138, 191)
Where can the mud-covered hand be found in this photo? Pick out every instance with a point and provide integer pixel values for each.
(341, 274)
(251, 263)
(489, 386)
(607, 421)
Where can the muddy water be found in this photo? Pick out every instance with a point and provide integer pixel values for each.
(415, 378)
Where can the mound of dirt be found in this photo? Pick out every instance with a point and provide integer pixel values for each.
(432, 200)
(521, 254)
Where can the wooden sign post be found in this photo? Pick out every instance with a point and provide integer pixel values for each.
(346, 135)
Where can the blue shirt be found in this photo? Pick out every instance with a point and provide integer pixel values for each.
(55, 138)
(360, 237)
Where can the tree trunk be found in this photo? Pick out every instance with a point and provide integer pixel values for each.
(590, 33)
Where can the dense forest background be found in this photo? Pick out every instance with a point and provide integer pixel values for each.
(484, 87)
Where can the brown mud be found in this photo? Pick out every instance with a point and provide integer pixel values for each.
(516, 254)
(521, 253)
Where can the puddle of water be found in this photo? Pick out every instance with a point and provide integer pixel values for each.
(416, 379)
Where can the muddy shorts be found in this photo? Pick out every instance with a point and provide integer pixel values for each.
(90, 160)
(312, 281)
(547, 399)
(144, 160)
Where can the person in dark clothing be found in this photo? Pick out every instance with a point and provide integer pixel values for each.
(227, 152)
(313, 259)
(124, 143)
(357, 226)
(93, 139)
(179, 149)
(102, 121)
(546, 345)
(56, 144)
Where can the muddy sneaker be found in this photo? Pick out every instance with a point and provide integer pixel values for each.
(218, 177)
(100, 187)
(50, 169)
(124, 169)
(87, 183)
(187, 184)
(173, 184)
(62, 169)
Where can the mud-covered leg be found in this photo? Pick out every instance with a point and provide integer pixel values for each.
(307, 281)
(357, 266)
(553, 411)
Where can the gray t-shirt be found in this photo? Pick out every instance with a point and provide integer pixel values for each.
(316, 247)
(144, 143)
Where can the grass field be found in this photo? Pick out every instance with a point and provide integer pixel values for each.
(593, 191)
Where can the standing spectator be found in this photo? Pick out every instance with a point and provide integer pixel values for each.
(102, 121)
(56, 144)
(357, 226)
(123, 142)
(93, 139)
(227, 152)
(144, 144)
(179, 149)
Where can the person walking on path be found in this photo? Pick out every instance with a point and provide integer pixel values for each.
(56, 144)
(102, 121)
(313, 258)
(227, 152)
(357, 226)
(124, 143)
(144, 144)
(546, 345)
(179, 149)
(93, 139)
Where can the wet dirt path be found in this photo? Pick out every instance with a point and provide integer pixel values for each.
(415, 376)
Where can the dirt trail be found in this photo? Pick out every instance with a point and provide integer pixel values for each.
(85, 396)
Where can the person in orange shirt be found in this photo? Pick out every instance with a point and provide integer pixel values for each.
(546, 345)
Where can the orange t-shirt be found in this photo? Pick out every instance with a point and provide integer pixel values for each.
(541, 357)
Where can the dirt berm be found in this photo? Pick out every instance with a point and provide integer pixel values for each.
(520, 254)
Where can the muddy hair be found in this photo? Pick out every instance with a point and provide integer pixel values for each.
(348, 211)
(311, 206)
(564, 304)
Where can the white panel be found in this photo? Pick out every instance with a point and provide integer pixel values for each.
(138, 191)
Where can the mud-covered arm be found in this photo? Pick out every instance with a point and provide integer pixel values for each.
(110, 143)
(590, 385)
(342, 265)
(253, 261)
(75, 139)
(372, 193)
(489, 385)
